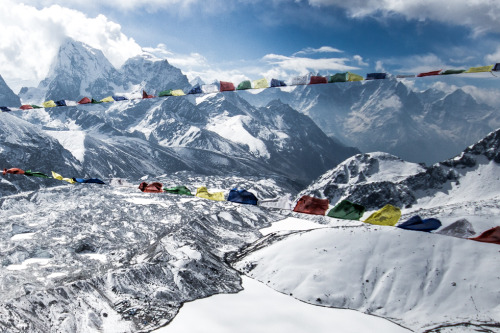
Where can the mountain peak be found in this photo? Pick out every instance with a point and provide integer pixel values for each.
(79, 59)
(78, 70)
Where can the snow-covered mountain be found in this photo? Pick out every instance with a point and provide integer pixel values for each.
(209, 134)
(386, 115)
(148, 72)
(7, 96)
(22, 142)
(81, 71)
(464, 186)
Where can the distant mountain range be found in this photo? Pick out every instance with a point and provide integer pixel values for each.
(207, 134)
(267, 131)
(386, 115)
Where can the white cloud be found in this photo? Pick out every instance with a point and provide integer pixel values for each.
(359, 60)
(482, 95)
(323, 49)
(479, 15)
(31, 38)
(303, 65)
(379, 66)
(178, 6)
(417, 63)
(494, 57)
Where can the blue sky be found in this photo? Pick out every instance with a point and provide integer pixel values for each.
(248, 39)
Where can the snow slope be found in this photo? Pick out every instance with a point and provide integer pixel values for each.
(418, 280)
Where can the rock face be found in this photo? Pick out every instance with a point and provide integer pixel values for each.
(152, 74)
(386, 115)
(96, 258)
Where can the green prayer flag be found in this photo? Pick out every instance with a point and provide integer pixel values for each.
(35, 174)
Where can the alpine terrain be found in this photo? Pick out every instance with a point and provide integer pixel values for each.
(89, 257)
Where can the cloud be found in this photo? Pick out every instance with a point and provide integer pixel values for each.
(494, 57)
(183, 7)
(31, 38)
(379, 66)
(196, 65)
(479, 15)
(416, 64)
(359, 60)
(323, 49)
(303, 65)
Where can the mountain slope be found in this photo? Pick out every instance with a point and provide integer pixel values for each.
(27, 147)
(425, 282)
(7, 96)
(231, 135)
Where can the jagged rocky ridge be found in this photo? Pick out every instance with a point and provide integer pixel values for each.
(403, 180)
(102, 258)
(467, 183)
